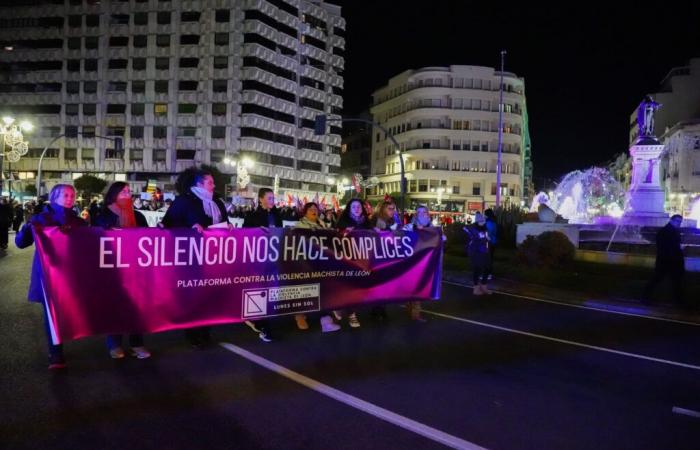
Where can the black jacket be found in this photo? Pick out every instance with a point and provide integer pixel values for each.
(345, 222)
(188, 210)
(668, 247)
(107, 219)
(261, 218)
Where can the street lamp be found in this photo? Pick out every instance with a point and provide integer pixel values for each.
(118, 145)
(320, 129)
(13, 144)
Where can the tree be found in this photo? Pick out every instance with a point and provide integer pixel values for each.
(88, 185)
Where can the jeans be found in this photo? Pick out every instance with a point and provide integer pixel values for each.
(115, 340)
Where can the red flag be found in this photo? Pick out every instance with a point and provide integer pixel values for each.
(290, 200)
(336, 205)
(356, 185)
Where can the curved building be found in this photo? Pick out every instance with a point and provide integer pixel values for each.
(179, 82)
(445, 120)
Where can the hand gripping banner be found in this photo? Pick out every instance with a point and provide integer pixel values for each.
(146, 280)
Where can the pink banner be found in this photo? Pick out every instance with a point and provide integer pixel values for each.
(149, 280)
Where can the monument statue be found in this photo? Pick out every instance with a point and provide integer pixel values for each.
(645, 116)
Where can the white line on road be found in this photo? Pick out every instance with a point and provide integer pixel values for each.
(564, 341)
(354, 402)
(593, 308)
(685, 412)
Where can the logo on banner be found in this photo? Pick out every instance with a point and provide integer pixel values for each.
(278, 301)
(254, 302)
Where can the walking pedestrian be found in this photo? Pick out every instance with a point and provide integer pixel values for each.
(669, 260)
(118, 212)
(310, 221)
(492, 228)
(266, 215)
(353, 217)
(197, 207)
(18, 217)
(58, 212)
(478, 251)
(6, 214)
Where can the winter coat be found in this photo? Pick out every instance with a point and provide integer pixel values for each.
(188, 210)
(25, 237)
(107, 219)
(306, 224)
(668, 248)
(478, 240)
(492, 228)
(348, 222)
(263, 218)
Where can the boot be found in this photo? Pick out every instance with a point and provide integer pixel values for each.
(327, 324)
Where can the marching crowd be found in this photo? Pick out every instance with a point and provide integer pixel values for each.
(199, 207)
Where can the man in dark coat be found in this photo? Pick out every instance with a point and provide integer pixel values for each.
(6, 215)
(19, 217)
(669, 259)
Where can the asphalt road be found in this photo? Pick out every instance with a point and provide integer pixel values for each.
(498, 372)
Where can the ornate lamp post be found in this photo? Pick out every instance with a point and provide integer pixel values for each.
(13, 144)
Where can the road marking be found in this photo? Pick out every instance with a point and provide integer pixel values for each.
(685, 412)
(564, 341)
(610, 311)
(354, 402)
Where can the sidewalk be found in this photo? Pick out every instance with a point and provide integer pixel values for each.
(623, 305)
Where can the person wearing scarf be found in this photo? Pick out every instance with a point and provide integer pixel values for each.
(196, 207)
(353, 217)
(58, 212)
(118, 212)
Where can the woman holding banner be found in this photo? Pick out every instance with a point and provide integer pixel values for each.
(266, 215)
(118, 212)
(58, 212)
(384, 219)
(197, 207)
(353, 217)
(310, 221)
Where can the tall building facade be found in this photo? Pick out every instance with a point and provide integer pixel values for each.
(180, 82)
(445, 120)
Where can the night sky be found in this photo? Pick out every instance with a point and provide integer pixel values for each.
(585, 67)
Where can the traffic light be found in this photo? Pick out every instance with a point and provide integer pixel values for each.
(320, 125)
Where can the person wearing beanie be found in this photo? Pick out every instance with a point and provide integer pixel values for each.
(478, 251)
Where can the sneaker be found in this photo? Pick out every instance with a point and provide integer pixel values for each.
(352, 320)
(301, 321)
(477, 290)
(264, 335)
(116, 353)
(140, 352)
(57, 362)
(485, 290)
(490, 277)
(327, 324)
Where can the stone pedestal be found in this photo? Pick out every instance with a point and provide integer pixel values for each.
(645, 198)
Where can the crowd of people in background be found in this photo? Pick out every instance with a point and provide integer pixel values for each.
(198, 206)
